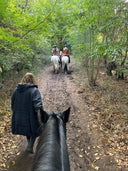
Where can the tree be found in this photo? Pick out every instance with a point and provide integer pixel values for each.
(98, 26)
(96, 31)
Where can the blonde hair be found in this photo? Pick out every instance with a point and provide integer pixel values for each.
(28, 78)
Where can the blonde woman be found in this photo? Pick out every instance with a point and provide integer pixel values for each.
(26, 101)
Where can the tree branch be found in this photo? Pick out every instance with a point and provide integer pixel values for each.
(30, 30)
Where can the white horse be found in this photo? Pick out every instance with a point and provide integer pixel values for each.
(55, 60)
(65, 62)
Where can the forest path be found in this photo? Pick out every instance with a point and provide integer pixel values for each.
(86, 151)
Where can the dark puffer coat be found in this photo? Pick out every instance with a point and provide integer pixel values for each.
(25, 101)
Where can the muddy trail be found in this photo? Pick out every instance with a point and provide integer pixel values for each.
(86, 150)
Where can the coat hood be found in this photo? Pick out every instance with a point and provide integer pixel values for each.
(24, 87)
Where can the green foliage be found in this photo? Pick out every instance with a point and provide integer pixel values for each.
(93, 29)
(3, 8)
(100, 30)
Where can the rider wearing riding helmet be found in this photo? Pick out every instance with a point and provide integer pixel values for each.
(55, 50)
(65, 52)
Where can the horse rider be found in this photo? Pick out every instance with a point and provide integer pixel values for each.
(65, 52)
(55, 50)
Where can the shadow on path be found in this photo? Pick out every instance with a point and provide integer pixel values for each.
(23, 162)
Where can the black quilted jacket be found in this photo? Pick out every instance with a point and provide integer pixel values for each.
(25, 101)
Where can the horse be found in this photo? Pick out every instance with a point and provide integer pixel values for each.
(51, 152)
(65, 62)
(55, 60)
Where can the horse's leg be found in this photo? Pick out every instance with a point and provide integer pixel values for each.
(53, 67)
(65, 68)
(62, 66)
(56, 68)
(68, 68)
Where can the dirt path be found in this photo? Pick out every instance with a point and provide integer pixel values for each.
(84, 140)
(59, 92)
